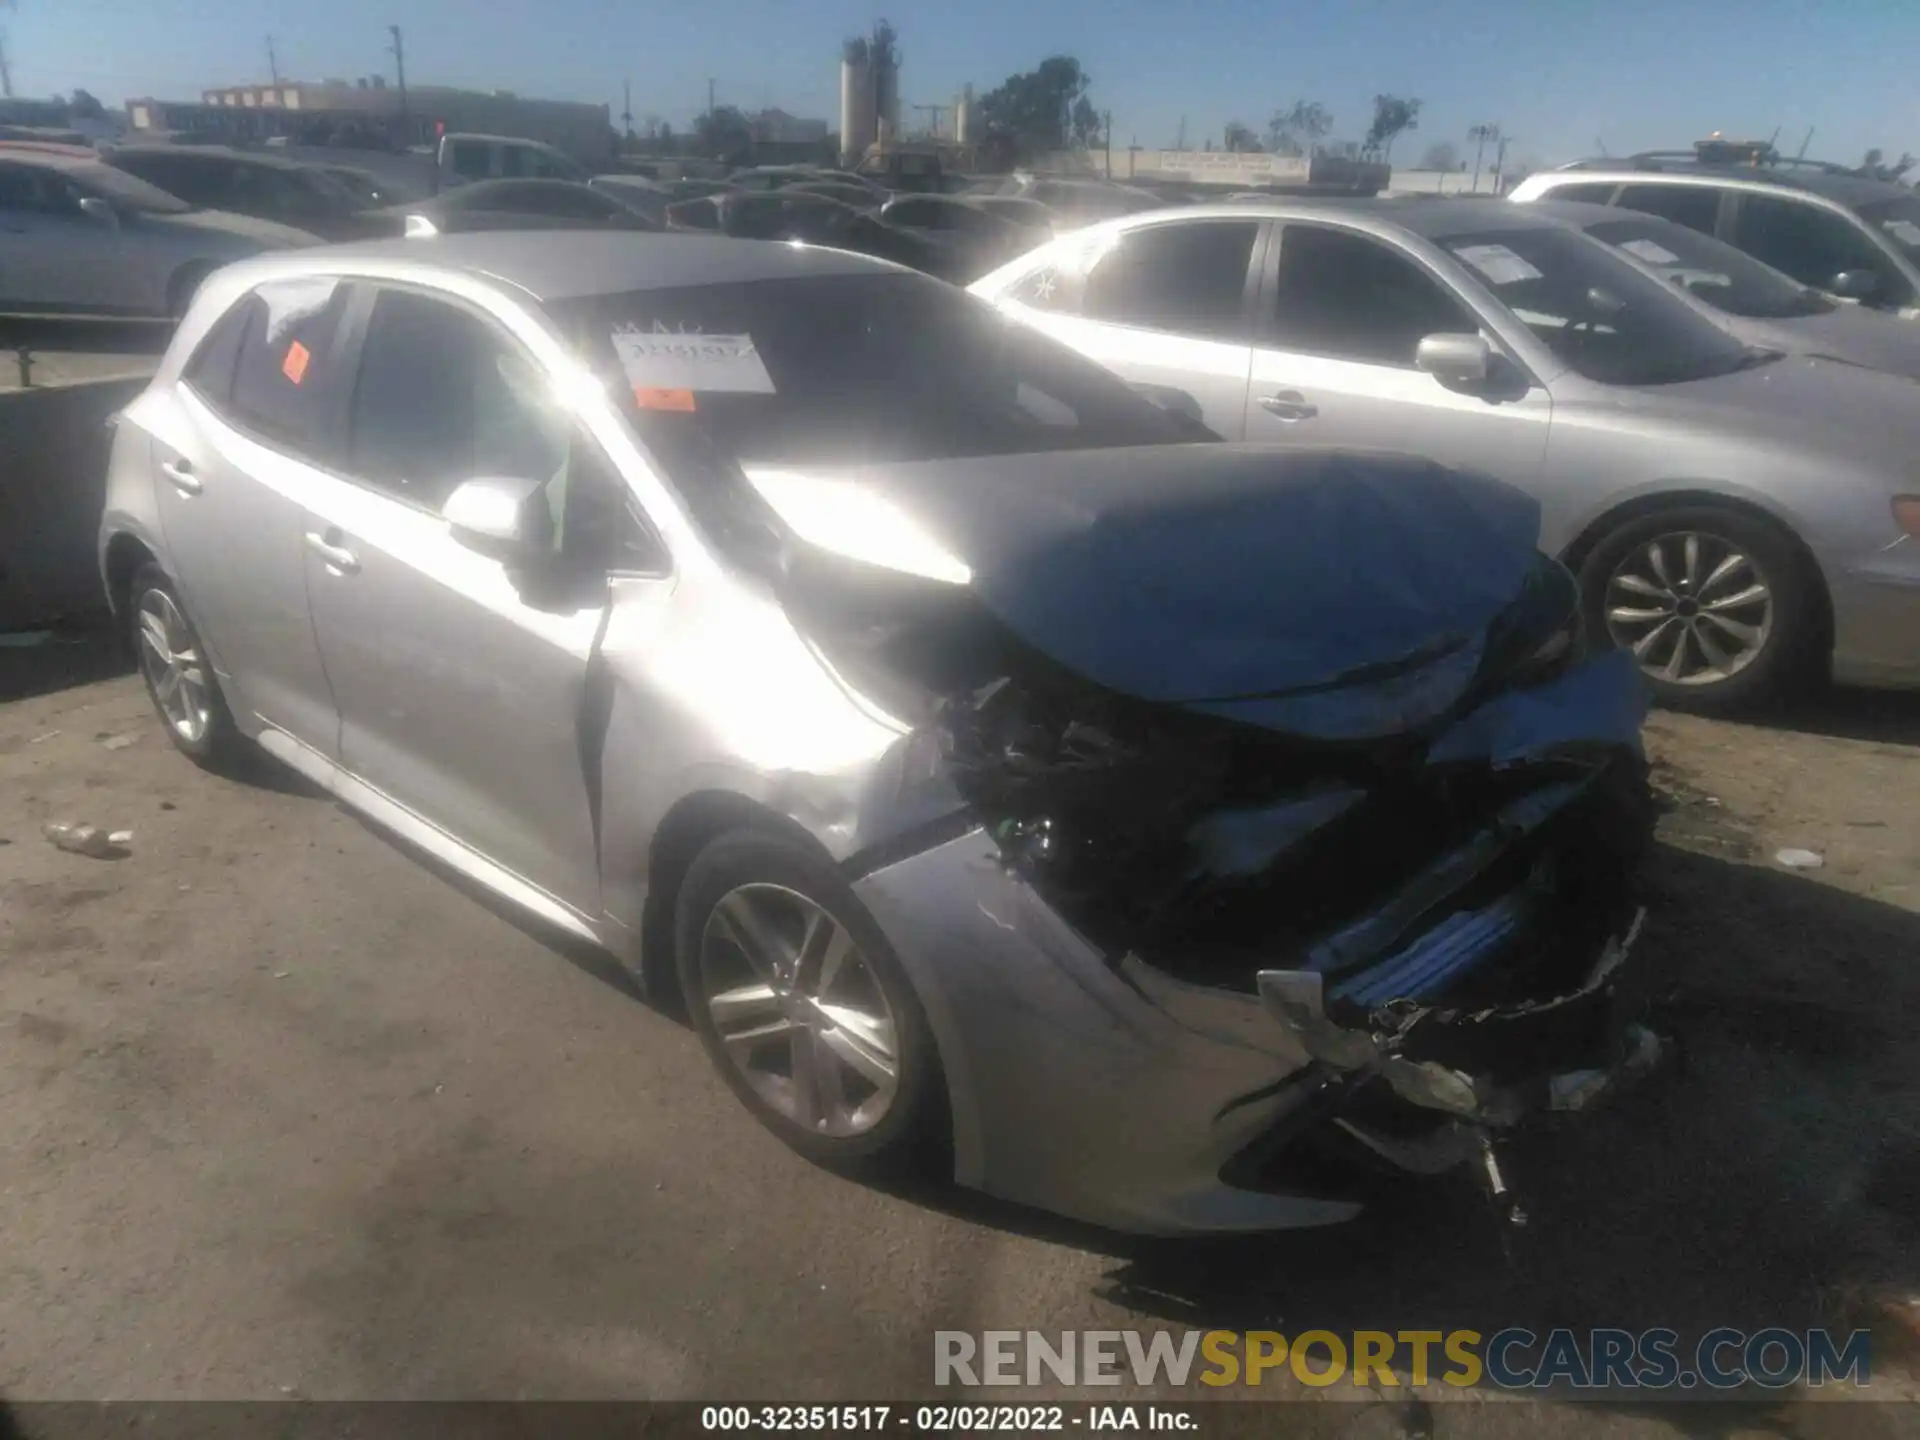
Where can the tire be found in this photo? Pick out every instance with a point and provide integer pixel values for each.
(782, 885)
(184, 285)
(194, 711)
(1772, 641)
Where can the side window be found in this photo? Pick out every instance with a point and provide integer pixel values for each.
(442, 397)
(1695, 206)
(1190, 279)
(210, 371)
(25, 190)
(285, 351)
(1351, 298)
(468, 159)
(1813, 245)
(1598, 194)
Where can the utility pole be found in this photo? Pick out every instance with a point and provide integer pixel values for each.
(273, 61)
(1500, 162)
(1180, 140)
(1107, 118)
(400, 70)
(6, 71)
(1801, 156)
(709, 95)
(1480, 134)
(626, 113)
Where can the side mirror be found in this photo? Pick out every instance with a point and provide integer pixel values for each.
(500, 517)
(1853, 284)
(1459, 362)
(94, 208)
(1172, 400)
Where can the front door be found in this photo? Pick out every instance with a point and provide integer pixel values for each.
(56, 256)
(1335, 366)
(1164, 304)
(237, 448)
(459, 676)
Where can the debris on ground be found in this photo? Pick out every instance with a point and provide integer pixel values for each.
(89, 840)
(48, 735)
(118, 742)
(1798, 859)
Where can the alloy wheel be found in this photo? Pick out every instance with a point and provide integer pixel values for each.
(799, 1010)
(175, 671)
(1694, 608)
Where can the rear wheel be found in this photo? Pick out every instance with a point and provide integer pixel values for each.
(179, 679)
(1717, 607)
(802, 1007)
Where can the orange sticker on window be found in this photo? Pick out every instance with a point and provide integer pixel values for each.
(649, 399)
(294, 367)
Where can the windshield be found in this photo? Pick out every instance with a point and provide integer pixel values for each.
(1606, 320)
(1711, 272)
(1897, 218)
(853, 369)
(124, 191)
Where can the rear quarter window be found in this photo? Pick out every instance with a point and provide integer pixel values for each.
(285, 362)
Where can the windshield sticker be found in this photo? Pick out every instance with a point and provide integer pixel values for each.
(294, 367)
(1695, 279)
(1905, 231)
(1499, 264)
(663, 359)
(648, 397)
(1648, 251)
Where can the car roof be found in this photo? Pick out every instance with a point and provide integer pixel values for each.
(1830, 183)
(53, 157)
(1422, 215)
(214, 152)
(556, 265)
(1587, 215)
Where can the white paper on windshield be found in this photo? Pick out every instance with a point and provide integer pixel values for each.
(1499, 264)
(1651, 253)
(1905, 231)
(663, 359)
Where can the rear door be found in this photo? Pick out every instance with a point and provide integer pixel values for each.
(238, 445)
(1343, 316)
(1705, 208)
(459, 676)
(1167, 304)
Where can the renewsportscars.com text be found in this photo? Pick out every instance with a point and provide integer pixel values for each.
(1511, 1359)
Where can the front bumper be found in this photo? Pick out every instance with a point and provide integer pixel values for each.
(1117, 1094)
(1876, 621)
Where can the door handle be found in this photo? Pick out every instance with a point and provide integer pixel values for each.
(339, 559)
(1288, 405)
(182, 476)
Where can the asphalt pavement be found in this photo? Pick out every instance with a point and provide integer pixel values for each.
(62, 352)
(286, 1111)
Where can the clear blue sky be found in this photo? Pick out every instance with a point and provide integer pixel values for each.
(1556, 73)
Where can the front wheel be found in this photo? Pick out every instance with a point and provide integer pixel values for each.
(801, 1005)
(1717, 607)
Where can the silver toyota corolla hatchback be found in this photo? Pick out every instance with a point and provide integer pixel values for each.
(986, 764)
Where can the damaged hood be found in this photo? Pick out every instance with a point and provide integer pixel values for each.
(1337, 594)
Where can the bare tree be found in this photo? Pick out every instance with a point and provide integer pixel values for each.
(1393, 116)
(1298, 128)
(1238, 137)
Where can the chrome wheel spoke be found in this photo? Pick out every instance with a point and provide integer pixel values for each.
(1749, 636)
(168, 686)
(1646, 642)
(743, 1044)
(751, 935)
(1639, 586)
(1732, 563)
(1690, 549)
(1717, 658)
(741, 1005)
(1639, 617)
(1677, 659)
(864, 1053)
(153, 631)
(1752, 595)
(1657, 561)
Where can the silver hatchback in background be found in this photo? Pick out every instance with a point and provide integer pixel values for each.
(78, 237)
(1736, 517)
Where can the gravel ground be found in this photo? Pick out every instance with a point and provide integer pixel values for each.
(286, 1111)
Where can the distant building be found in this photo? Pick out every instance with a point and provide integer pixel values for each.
(310, 112)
